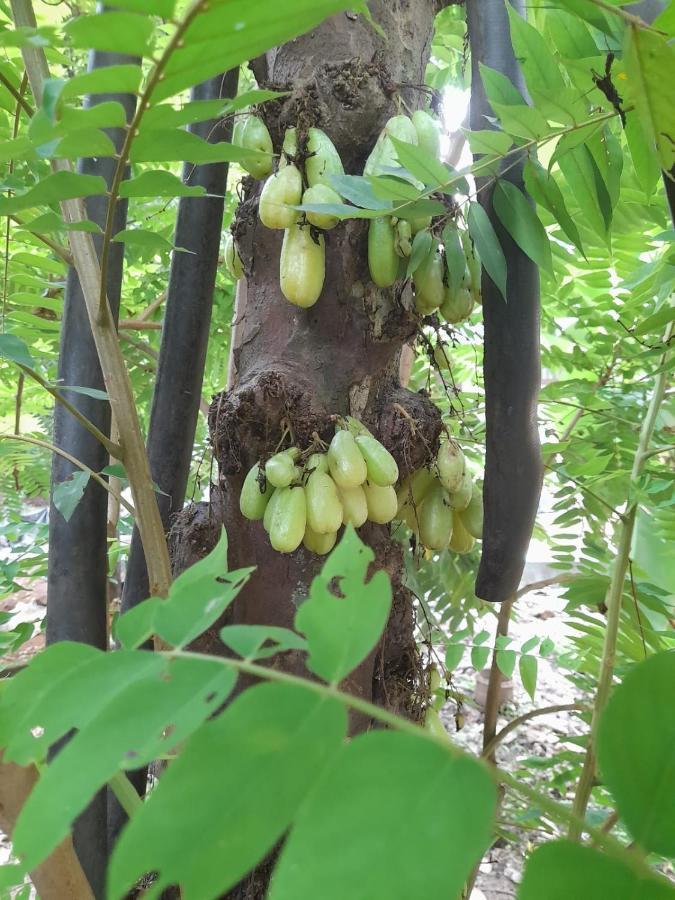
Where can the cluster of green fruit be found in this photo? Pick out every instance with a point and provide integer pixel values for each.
(305, 498)
(391, 239)
(441, 504)
(302, 177)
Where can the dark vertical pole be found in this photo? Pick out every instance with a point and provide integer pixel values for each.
(78, 562)
(182, 356)
(513, 469)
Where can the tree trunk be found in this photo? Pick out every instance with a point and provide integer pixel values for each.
(301, 367)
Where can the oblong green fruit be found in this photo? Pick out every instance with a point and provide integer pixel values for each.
(289, 148)
(321, 544)
(403, 239)
(414, 489)
(323, 160)
(252, 501)
(428, 133)
(382, 257)
(269, 512)
(345, 462)
(317, 462)
(472, 516)
(457, 305)
(356, 427)
(289, 519)
(442, 357)
(383, 154)
(255, 136)
(233, 262)
(354, 505)
(321, 193)
(382, 503)
(473, 265)
(281, 192)
(420, 224)
(461, 541)
(434, 724)
(280, 469)
(451, 465)
(302, 267)
(428, 281)
(380, 464)
(324, 509)
(436, 519)
(460, 498)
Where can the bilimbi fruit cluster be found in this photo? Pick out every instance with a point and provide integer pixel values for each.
(305, 498)
(303, 177)
(441, 504)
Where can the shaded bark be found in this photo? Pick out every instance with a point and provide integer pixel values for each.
(78, 561)
(513, 467)
(182, 356)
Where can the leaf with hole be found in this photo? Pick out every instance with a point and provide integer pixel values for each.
(260, 641)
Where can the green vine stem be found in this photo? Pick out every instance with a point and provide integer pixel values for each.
(615, 592)
(115, 374)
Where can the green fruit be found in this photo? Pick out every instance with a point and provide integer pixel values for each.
(289, 148)
(323, 160)
(253, 501)
(381, 503)
(302, 267)
(255, 136)
(269, 512)
(428, 281)
(280, 469)
(434, 725)
(414, 489)
(320, 544)
(403, 239)
(317, 462)
(428, 133)
(354, 505)
(345, 462)
(420, 224)
(461, 498)
(289, 519)
(233, 262)
(436, 519)
(461, 541)
(356, 427)
(381, 465)
(321, 193)
(473, 265)
(281, 192)
(472, 516)
(383, 154)
(382, 257)
(324, 509)
(451, 465)
(441, 357)
(457, 305)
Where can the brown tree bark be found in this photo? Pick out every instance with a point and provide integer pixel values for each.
(301, 367)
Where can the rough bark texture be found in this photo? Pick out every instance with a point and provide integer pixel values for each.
(300, 367)
(513, 466)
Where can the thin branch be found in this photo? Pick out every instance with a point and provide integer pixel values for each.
(126, 793)
(20, 99)
(585, 489)
(629, 18)
(489, 750)
(71, 459)
(57, 248)
(138, 325)
(153, 307)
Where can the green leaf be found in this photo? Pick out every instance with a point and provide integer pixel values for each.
(498, 88)
(522, 223)
(176, 144)
(453, 656)
(506, 660)
(561, 870)
(148, 717)
(656, 321)
(344, 615)
(580, 173)
(589, 12)
(454, 256)
(163, 8)
(422, 165)
(536, 60)
(645, 159)
(489, 142)
(544, 190)
(67, 494)
(260, 641)
(13, 348)
(278, 740)
(528, 673)
(379, 817)
(143, 239)
(94, 393)
(359, 190)
(124, 79)
(479, 657)
(52, 189)
(522, 121)
(116, 32)
(547, 647)
(51, 221)
(488, 246)
(636, 752)
(529, 644)
(159, 183)
(647, 58)
(420, 250)
(570, 35)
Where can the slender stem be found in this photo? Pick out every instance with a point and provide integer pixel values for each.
(585, 489)
(71, 459)
(57, 248)
(139, 325)
(112, 448)
(115, 374)
(126, 793)
(614, 595)
(628, 18)
(488, 751)
(555, 810)
(20, 99)
(589, 411)
(494, 685)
